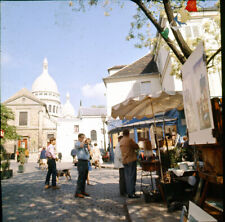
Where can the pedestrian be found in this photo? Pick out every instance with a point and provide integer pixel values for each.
(82, 165)
(51, 161)
(60, 157)
(129, 159)
(18, 156)
(26, 155)
(43, 159)
(74, 155)
(88, 142)
(97, 157)
(119, 165)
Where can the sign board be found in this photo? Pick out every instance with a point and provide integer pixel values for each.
(197, 105)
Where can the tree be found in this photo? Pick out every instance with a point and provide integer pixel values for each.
(9, 130)
(150, 10)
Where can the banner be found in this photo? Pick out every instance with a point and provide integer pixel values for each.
(197, 105)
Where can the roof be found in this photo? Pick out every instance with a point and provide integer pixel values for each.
(117, 67)
(44, 82)
(24, 92)
(145, 65)
(92, 111)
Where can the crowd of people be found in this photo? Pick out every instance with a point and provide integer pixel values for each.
(85, 155)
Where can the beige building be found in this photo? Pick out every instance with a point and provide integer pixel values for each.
(32, 121)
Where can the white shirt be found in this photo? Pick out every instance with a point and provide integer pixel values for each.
(118, 157)
(51, 151)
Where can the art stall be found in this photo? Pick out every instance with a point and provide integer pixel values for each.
(204, 123)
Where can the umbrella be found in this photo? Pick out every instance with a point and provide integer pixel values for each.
(147, 106)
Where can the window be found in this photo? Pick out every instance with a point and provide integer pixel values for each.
(50, 136)
(49, 108)
(40, 93)
(45, 94)
(145, 87)
(53, 109)
(23, 119)
(76, 128)
(56, 109)
(93, 135)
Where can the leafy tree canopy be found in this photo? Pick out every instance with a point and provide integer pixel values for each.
(148, 14)
(9, 130)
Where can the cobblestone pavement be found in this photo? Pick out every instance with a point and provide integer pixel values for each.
(25, 199)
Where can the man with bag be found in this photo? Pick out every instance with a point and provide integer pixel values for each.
(51, 161)
(129, 159)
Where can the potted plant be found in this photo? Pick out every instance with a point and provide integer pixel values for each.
(21, 160)
(6, 173)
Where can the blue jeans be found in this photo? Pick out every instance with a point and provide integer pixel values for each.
(51, 170)
(82, 167)
(130, 171)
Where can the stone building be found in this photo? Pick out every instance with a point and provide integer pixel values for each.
(40, 115)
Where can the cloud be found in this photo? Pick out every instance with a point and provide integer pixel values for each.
(95, 92)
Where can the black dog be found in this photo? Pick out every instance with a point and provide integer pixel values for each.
(61, 173)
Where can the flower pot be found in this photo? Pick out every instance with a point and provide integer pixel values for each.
(20, 169)
(6, 174)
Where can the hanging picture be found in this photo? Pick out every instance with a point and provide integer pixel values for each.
(197, 105)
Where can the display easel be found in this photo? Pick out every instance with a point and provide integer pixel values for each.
(212, 173)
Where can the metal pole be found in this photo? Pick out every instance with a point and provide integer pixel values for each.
(167, 149)
(157, 146)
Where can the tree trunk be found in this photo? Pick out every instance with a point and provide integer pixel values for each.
(179, 38)
(170, 43)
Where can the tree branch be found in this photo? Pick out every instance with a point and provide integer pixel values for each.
(170, 43)
(212, 57)
(179, 38)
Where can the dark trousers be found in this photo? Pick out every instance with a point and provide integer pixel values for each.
(82, 167)
(51, 170)
(130, 171)
(122, 182)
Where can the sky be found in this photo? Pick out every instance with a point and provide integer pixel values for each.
(79, 46)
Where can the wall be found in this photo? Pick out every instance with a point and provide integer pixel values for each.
(122, 89)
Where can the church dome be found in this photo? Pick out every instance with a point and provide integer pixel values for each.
(67, 109)
(45, 83)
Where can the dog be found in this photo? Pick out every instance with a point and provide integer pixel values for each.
(61, 173)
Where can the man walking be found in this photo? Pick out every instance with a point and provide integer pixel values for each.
(118, 164)
(129, 158)
(83, 156)
(51, 161)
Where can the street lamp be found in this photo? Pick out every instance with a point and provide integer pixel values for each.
(103, 122)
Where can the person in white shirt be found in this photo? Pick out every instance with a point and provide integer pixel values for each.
(51, 161)
(118, 164)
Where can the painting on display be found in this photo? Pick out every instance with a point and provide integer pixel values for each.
(196, 96)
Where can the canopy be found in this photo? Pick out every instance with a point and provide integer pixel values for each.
(148, 105)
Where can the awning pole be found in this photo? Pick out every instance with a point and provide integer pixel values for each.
(167, 149)
(157, 146)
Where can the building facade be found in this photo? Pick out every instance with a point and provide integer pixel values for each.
(39, 115)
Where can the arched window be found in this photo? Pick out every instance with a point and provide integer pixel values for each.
(49, 108)
(53, 109)
(93, 135)
(56, 109)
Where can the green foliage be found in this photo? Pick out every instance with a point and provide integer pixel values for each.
(9, 130)
(4, 159)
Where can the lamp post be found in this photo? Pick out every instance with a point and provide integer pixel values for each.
(103, 122)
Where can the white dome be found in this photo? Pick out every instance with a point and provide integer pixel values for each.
(45, 82)
(67, 109)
